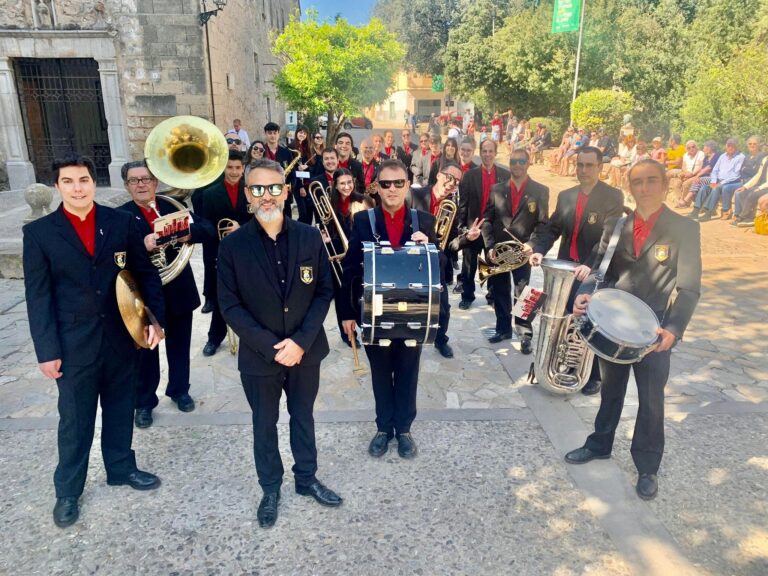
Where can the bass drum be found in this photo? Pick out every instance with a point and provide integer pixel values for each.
(618, 326)
(401, 294)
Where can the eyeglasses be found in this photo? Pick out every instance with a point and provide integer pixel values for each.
(258, 149)
(518, 161)
(318, 137)
(234, 141)
(450, 178)
(399, 183)
(258, 190)
(143, 180)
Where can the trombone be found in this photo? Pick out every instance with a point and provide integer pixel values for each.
(328, 222)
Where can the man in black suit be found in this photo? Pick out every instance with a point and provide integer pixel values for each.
(277, 305)
(405, 151)
(657, 259)
(210, 246)
(71, 261)
(474, 194)
(344, 147)
(578, 221)
(429, 200)
(394, 368)
(516, 208)
(180, 295)
(225, 199)
(280, 154)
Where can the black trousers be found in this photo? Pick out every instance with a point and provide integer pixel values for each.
(111, 379)
(178, 329)
(218, 328)
(210, 249)
(469, 268)
(651, 375)
(502, 300)
(263, 393)
(395, 376)
(749, 203)
(305, 207)
(337, 294)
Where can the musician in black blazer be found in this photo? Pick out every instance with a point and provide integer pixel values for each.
(71, 261)
(658, 259)
(502, 220)
(474, 189)
(275, 289)
(225, 199)
(429, 200)
(405, 151)
(394, 368)
(180, 294)
(344, 146)
(209, 248)
(581, 211)
(280, 154)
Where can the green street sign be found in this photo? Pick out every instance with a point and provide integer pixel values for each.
(565, 18)
(437, 83)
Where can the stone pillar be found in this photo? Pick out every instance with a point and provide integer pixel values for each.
(117, 126)
(21, 173)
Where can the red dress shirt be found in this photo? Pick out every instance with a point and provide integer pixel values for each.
(368, 170)
(344, 205)
(641, 229)
(270, 155)
(581, 203)
(516, 195)
(395, 226)
(432, 158)
(85, 229)
(232, 190)
(149, 215)
(465, 167)
(489, 179)
(344, 163)
(329, 177)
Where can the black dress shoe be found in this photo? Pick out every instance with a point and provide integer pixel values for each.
(525, 346)
(591, 387)
(465, 304)
(207, 307)
(583, 455)
(379, 444)
(184, 402)
(499, 336)
(138, 480)
(706, 216)
(267, 513)
(694, 214)
(647, 486)
(143, 418)
(458, 289)
(406, 446)
(66, 511)
(321, 493)
(445, 350)
(210, 349)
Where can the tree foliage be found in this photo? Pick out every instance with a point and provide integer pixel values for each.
(335, 68)
(602, 108)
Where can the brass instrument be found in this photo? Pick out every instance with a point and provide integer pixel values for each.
(321, 198)
(169, 272)
(563, 362)
(444, 222)
(225, 227)
(292, 164)
(510, 255)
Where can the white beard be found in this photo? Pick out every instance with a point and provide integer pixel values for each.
(270, 215)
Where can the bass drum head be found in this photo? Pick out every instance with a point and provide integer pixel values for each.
(623, 317)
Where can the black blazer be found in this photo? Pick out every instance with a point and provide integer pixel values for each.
(605, 202)
(406, 158)
(531, 213)
(216, 205)
(353, 262)
(70, 295)
(471, 193)
(252, 303)
(666, 275)
(181, 293)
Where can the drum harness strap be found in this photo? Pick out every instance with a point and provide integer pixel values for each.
(372, 220)
(609, 252)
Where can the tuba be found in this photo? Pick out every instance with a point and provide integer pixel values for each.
(158, 257)
(184, 152)
(563, 362)
(328, 223)
(510, 255)
(445, 216)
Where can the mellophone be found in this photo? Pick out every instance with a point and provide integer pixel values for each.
(401, 293)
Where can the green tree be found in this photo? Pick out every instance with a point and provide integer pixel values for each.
(605, 108)
(334, 67)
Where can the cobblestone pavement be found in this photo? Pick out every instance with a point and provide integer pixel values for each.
(489, 493)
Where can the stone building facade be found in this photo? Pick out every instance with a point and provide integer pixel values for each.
(97, 75)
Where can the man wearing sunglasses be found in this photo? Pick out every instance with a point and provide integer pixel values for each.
(180, 294)
(394, 368)
(222, 199)
(275, 289)
(516, 208)
(233, 141)
(578, 222)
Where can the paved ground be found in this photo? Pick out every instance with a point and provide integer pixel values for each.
(489, 493)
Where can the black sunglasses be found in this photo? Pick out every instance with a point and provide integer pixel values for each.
(399, 183)
(518, 161)
(318, 137)
(258, 148)
(450, 178)
(258, 190)
(234, 141)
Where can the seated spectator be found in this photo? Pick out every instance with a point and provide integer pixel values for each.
(675, 152)
(606, 145)
(641, 153)
(693, 160)
(568, 161)
(746, 197)
(594, 139)
(725, 178)
(701, 178)
(541, 141)
(657, 152)
(621, 162)
(483, 134)
(557, 155)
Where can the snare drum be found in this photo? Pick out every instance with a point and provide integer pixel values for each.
(618, 326)
(401, 293)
